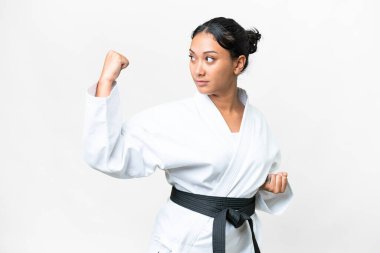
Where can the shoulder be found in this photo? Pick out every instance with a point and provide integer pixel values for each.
(258, 113)
(160, 114)
(167, 109)
(261, 123)
(264, 125)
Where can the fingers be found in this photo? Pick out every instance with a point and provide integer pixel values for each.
(284, 182)
(113, 65)
(276, 183)
(265, 185)
(270, 183)
(124, 62)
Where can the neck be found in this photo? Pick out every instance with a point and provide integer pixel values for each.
(227, 101)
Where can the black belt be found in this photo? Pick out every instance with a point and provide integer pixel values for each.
(235, 210)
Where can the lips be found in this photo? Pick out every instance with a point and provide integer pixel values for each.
(201, 82)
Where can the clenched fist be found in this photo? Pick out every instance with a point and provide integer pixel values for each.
(113, 64)
(276, 183)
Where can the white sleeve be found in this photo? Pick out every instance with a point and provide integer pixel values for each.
(274, 203)
(116, 148)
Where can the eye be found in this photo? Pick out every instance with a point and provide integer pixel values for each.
(208, 57)
(191, 57)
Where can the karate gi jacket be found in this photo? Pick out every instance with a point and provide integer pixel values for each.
(190, 141)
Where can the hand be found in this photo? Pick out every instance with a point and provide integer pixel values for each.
(113, 64)
(276, 183)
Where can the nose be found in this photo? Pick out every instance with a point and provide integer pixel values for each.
(199, 70)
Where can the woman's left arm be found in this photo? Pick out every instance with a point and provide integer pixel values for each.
(275, 194)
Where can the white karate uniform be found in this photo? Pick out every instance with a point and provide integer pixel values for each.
(190, 140)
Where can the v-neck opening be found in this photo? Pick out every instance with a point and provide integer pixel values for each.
(217, 120)
(232, 142)
(243, 98)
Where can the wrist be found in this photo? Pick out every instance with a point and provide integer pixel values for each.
(104, 88)
(103, 82)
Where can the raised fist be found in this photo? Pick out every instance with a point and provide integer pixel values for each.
(113, 64)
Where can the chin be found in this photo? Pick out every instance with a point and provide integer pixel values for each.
(203, 90)
(207, 90)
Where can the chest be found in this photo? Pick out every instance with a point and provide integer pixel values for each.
(233, 120)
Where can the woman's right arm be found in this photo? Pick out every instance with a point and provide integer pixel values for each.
(116, 148)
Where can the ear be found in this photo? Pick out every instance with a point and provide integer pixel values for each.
(239, 64)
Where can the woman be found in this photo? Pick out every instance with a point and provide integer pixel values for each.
(215, 147)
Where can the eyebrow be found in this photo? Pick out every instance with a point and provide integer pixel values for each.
(205, 52)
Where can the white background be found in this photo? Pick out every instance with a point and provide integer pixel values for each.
(315, 76)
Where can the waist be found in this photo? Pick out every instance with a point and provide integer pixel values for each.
(234, 210)
(210, 203)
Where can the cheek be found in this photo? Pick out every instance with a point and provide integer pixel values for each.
(220, 72)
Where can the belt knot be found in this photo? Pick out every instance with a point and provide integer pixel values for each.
(236, 218)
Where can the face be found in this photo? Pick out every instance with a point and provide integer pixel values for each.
(211, 66)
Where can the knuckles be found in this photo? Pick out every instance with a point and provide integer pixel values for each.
(277, 184)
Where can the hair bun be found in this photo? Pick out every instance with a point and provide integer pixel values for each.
(253, 37)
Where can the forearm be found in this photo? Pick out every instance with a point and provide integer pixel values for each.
(103, 88)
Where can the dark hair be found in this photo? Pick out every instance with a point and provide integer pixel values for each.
(231, 36)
